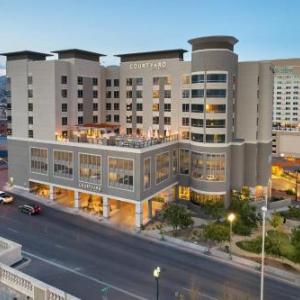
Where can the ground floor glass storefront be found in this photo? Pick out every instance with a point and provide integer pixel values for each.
(90, 203)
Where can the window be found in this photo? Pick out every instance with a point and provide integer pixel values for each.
(116, 82)
(216, 77)
(95, 119)
(185, 107)
(64, 121)
(215, 138)
(30, 93)
(95, 81)
(167, 120)
(108, 94)
(185, 135)
(30, 106)
(95, 94)
(139, 119)
(139, 106)
(215, 93)
(95, 106)
(198, 108)
(90, 168)
(155, 80)
(186, 79)
(116, 94)
(197, 137)
(128, 94)
(198, 165)
(139, 81)
(155, 94)
(167, 93)
(80, 120)
(174, 162)
(30, 133)
(79, 80)
(64, 79)
(29, 80)
(197, 93)
(129, 81)
(64, 93)
(198, 78)
(39, 160)
(63, 164)
(30, 120)
(214, 123)
(155, 107)
(167, 107)
(197, 122)
(129, 107)
(80, 93)
(184, 161)
(162, 167)
(155, 120)
(80, 106)
(108, 106)
(215, 108)
(116, 118)
(108, 82)
(128, 131)
(120, 173)
(64, 107)
(147, 173)
(185, 121)
(139, 94)
(185, 93)
(108, 118)
(215, 167)
(116, 106)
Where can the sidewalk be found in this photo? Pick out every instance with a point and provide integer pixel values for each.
(154, 236)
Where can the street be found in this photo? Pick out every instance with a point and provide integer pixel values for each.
(93, 261)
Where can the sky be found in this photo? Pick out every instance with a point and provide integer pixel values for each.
(266, 29)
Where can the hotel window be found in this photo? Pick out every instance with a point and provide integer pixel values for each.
(95, 94)
(79, 80)
(64, 107)
(29, 80)
(129, 107)
(129, 119)
(116, 106)
(116, 94)
(63, 164)
(174, 162)
(184, 161)
(139, 119)
(129, 81)
(108, 106)
(116, 118)
(95, 119)
(120, 173)
(186, 79)
(197, 122)
(30, 106)
(90, 168)
(198, 164)
(95, 106)
(116, 82)
(80, 120)
(215, 93)
(108, 94)
(216, 77)
(185, 121)
(39, 160)
(185, 93)
(155, 107)
(162, 167)
(155, 120)
(167, 107)
(197, 137)
(139, 94)
(95, 81)
(215, 167)
(80, 93)
(30, 93)
(215, 108)
(167, 120)
(185, 107)
(128, 94)
(147, 173)
(155, 94)
(30, 133)
(155, 80)
(128, 131)
(198, 78)
(139, 106)
(167, 93)
(64, 79)
(64, 93)
(30, 120)
(64, 121)
(214, 123)
(215, 138)
(80, 106)
(108, 118)
(197, 93)
(108, 82)
(139, 81)
(198, 108)
(185, 135)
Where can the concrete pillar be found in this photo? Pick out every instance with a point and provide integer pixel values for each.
(105, 207)
(51, 192)
(138, 215)
(150, 209)
(76, 199)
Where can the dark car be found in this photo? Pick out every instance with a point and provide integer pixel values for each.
(30, 209)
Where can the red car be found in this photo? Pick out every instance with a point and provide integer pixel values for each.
(30, 209)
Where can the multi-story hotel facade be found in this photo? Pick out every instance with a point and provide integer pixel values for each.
(153, 129)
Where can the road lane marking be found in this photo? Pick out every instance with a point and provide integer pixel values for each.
(13, 230)
(135, 296)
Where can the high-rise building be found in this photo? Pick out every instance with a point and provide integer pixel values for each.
(132, 136)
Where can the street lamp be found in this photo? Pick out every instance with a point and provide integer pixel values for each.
(230, 218)
(264, 210)
(156, 274)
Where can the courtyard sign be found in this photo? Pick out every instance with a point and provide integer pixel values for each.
(148, 65)
(89, 186)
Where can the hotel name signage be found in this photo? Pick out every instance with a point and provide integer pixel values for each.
(148, 65)
(90, 187)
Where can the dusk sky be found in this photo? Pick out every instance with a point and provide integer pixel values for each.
(265, 29)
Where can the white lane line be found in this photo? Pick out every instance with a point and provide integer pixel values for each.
(85, 276)
(201, 294)
(12, 230)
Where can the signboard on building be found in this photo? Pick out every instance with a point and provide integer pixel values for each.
(148, 65)
(90, 187)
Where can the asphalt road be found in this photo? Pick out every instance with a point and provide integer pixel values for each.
(82, 257)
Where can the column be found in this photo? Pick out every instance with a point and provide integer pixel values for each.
(51, 192)
(138, 215)
(105, 207)
(150, 209)
(76, 199)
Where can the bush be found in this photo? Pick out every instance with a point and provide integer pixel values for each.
(241, 229)
(251, 246)
(214, 209)
(276, 220)
(292, 213)
(217, 232)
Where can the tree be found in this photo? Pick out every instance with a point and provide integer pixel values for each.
(177, 216)
(216, 232)
(295, 238)
(276, 221)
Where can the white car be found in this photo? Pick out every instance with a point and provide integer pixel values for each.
(5, 198)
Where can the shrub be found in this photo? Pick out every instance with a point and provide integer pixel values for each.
(241, 229)
(292, 213)
(251, 246)
(276, 221)
(214, 209)
(217, 232)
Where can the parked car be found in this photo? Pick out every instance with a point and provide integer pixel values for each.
(30, 209)
(5, 198)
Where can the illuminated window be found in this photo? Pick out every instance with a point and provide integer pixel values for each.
(162, 167)
(39, 160)
(90, 168)
(120, 173)
(147, 173)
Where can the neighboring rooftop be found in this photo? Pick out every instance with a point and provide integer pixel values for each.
(25, 54)
(160, 54)
(213, 42)
(78, 53)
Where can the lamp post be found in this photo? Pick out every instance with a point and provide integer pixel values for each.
(264, 210)
(156, 274)
(230, 218)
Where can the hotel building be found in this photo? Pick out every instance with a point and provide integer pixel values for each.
(125, 139)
